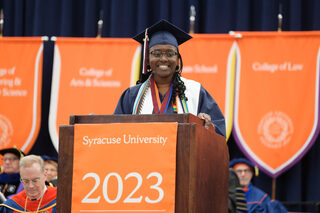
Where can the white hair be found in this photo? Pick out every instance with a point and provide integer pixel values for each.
(31, 159)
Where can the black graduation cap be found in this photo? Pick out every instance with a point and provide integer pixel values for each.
(162, 32)
(14, 151)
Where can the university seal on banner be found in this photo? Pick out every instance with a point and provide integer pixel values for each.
(275, 129)
(6, 131)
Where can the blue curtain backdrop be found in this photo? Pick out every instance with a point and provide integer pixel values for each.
(126, 18)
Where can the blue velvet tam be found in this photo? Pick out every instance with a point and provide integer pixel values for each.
(46, 157)
(236, 161)
(163, 32)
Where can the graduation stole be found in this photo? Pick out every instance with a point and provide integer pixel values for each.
(156, 99)
(144, 99)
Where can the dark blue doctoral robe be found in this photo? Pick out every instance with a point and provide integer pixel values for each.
(260, 202)
(9, 184)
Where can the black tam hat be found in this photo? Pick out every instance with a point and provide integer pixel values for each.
(163, 32)
(14, 151)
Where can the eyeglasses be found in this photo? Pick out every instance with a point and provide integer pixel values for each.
(246, 171)
(159, 54)
(50, 170)
(34, 181)
(9, 159)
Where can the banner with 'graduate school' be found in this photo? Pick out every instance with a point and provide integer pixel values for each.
(277, 97)
(210, 60)
(20, 91)
(89, 76)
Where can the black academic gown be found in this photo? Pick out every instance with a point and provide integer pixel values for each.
(206, 105)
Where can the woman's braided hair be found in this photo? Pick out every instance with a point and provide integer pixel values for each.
(178, 85)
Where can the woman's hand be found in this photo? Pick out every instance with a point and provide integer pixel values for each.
(206, 118)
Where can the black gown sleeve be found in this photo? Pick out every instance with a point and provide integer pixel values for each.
(126, 101)
(209, 106)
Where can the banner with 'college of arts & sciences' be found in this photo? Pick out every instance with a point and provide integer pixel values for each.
(89, 76)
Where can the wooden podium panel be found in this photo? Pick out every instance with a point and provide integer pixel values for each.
(202, 162)
(180, 118)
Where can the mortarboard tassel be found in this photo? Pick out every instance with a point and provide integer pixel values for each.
(256, 170)
(145, 52)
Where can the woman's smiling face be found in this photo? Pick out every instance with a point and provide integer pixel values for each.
(163, 60)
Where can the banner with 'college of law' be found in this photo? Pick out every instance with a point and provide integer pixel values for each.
(124, 167)
(210, 60)
(20, 91)
(276, 100)
(89, 76)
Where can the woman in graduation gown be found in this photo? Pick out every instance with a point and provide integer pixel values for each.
(161, 89)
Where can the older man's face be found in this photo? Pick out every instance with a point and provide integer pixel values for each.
(244, 174)
(10, 163)
(33, 180)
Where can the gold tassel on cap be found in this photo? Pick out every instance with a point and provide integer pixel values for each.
(21, 154)
(256, 170)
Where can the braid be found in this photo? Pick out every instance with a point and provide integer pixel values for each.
(143, 77)
(178, 85)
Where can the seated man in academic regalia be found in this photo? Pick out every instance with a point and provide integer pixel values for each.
(36, 196)
(257, 200)
(10, 177)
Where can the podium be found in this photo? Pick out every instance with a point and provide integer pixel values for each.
(202, 161)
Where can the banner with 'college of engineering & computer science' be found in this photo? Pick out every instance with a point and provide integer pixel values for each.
(20, 91)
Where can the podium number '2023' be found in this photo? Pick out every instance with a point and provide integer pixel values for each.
(129, 198)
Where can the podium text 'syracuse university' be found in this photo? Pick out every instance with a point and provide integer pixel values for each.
(202, 161)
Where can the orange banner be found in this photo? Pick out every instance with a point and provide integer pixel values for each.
(210, 60)
(89, 76)
(128, 167)
(276, 100)
(20, 91)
